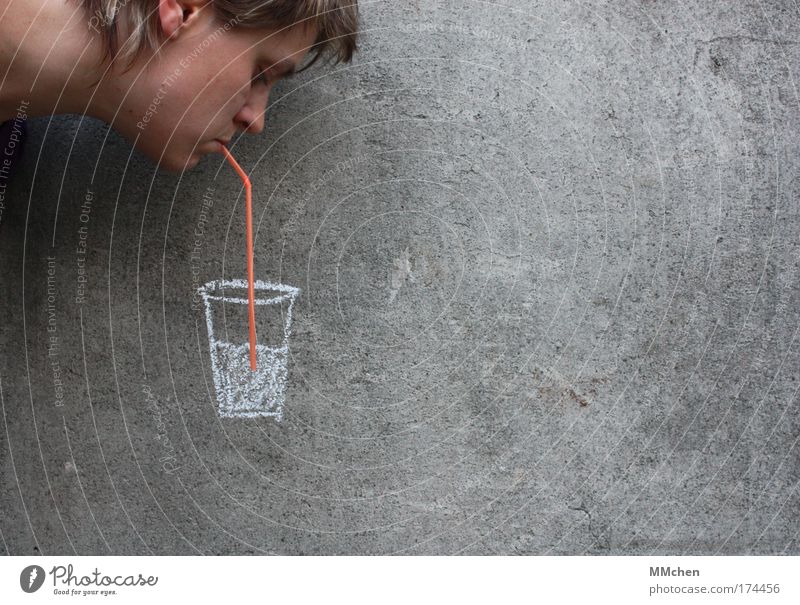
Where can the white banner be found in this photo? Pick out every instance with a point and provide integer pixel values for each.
(377, 580)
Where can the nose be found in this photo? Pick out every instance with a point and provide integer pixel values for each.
(250, 118)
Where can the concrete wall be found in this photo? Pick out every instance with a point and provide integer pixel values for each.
(548, 260)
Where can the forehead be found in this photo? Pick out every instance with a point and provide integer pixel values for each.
(284, 48)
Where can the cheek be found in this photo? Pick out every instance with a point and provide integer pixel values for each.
(216, 103)
(198, 106)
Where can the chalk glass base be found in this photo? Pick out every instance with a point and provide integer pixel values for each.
(242, 392)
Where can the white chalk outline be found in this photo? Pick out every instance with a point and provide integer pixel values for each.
(291, 293)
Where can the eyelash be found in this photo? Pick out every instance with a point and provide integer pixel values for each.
(261, 77)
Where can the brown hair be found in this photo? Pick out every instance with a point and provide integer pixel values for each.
(336, 22)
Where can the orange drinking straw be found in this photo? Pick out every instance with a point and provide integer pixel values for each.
(251, 295)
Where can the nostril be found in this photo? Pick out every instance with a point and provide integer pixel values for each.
(243, 125)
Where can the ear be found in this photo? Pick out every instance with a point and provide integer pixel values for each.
(176, 14)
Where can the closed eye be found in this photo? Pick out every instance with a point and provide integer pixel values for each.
(262, 77)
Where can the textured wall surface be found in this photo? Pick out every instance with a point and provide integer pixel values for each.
(548, 259)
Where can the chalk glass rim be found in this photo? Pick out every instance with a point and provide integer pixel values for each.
(289, 292)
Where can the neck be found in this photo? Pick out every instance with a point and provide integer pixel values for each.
(49, 61)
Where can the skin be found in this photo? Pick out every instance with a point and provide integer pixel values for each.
(203, 86)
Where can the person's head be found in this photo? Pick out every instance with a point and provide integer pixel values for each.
(193, 71)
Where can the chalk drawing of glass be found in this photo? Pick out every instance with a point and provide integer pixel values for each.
(242, 392)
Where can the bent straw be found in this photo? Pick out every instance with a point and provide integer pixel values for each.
(251, 296)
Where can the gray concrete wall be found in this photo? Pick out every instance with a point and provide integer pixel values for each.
(548, 254)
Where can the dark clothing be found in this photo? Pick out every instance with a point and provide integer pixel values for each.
(12, 146)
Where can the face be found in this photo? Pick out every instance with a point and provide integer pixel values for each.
(205, 85)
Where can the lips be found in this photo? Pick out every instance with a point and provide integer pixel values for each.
(220, 143)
